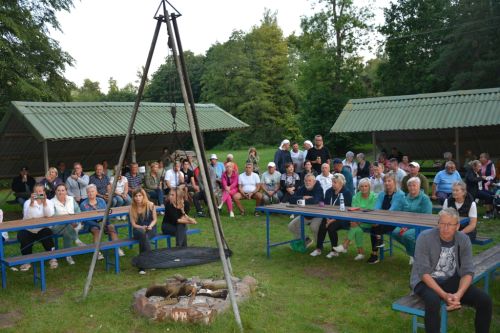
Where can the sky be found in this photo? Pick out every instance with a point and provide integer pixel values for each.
(111, 38)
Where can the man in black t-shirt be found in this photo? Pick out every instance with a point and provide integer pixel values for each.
(318, 154)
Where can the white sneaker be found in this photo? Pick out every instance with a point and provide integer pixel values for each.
(121, 253)
(292, 216)
(332, 254)
(220, 206)
(100, 256)
(411, 261)
(53, 264)
(25, 267)
(340, 249)
(315, 253)
(78, 242)
(359, 256)
(231, 214)
(70, 260)
(142, 272)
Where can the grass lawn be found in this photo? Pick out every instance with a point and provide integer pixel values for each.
(296, 293)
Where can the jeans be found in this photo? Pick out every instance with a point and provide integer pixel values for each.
(157, 195)
(143, 237)
(473, 297)
(294, 226)
(68, 233)
(178, 230)
(407, 239)
(119, 201)
(197, 198)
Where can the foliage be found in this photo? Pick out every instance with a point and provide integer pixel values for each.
(126, 94)
(88, 92)
(330, 70)
(31, 63)
(164, 85)
(249, 77)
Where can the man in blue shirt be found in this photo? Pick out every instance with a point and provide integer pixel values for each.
(441, 188)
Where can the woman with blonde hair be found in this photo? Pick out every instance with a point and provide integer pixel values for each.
(143, 220)
(50, 182)
(176, 219)
(253, 158)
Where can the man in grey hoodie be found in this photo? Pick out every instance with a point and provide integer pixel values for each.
(443, 271)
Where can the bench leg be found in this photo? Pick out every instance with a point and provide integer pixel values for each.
(414, 324)
(42, 275)
(444, 318)
(117, 260)
(486, 286)
(4, 276)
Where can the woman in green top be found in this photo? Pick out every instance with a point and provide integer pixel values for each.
(253, 158)
(364, 199)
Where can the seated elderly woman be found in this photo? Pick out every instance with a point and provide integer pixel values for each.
(416, 202)
(364, 199)
(464, 203)
(289, 182)
(50, 182)
(332, 226)
(390, 199)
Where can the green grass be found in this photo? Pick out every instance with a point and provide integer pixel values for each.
(296, 293)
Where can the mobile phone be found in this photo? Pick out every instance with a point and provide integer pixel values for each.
(40, 196)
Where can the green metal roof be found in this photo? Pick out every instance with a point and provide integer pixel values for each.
(453, 109)
(78, 120)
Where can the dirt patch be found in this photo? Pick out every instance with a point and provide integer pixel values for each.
(328, 327)
(322, 273)
(9, 319)
(49, 296)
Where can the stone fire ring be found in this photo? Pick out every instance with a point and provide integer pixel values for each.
(200, 309)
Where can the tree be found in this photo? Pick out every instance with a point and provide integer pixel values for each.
(115, 94)
(88, 92)
(414, 31)
(469, 57)
(250, 77)
(31, 63)
(330, 69)
(164, 85)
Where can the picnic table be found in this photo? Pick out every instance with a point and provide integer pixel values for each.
(417, 221)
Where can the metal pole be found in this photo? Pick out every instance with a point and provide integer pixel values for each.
(140, 91)
(198, 144)
(46, 156)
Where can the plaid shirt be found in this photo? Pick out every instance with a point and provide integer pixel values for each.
(100, 183)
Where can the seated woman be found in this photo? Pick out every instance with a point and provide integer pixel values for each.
(66, 205)
(153, 184)
(307, 170)
(37, 206)
(289, 183)
(364, 199)
(416, 202)
(50, 182)
(176, 220)
(377, 180)
(93, 202)
(389, 199)
(229, 182)
(475, 186)
(332, 197)
(464, 203)
(120, 197)
(143, 220)
(253, 158)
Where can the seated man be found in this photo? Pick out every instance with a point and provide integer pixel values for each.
(217, 167)
(22, 185)
(174, 177)
(134, 178)
(443, 271)
(312, 193)
(93, 202)
(270, 181)
(248, 188)
(397, 171)
(441, 188)
(77, 183)
(414, 168)
(101, 182)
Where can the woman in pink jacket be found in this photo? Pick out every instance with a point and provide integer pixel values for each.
(229, 187)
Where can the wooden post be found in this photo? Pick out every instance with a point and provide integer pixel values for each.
(457, 148)
(45, 156)
(132, 148)
(374, 143)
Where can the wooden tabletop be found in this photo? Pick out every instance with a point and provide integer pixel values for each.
(405, 219)
(41, 222)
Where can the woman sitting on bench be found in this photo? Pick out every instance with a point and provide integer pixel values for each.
(464, 203)
(175, 220)
(143, 221)
(37, 206)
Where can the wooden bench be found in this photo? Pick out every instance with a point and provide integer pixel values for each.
(482, 240)
(485, 264)
(38, 259)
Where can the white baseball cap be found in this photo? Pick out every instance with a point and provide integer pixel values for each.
(213, 157)
(415, 164)
(271, 164)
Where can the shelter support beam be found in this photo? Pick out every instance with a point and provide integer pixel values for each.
(133, 153)
(45, 156)
(374, 143)
(457, 147)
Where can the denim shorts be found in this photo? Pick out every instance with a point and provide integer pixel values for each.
(87, 226)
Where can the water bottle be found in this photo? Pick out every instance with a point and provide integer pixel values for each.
(342, 204)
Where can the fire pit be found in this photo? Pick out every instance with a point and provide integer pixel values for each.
(191, 300)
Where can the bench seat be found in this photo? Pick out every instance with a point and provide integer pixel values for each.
(485, 263)
(482, 240)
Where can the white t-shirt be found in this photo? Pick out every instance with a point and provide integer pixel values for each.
(120, 184)
(325, 182)
(175, 178)
(472, 210)
(248, 183)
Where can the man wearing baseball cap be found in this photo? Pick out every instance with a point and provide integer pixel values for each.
(217, 167)
(414, 172)
(270, 181)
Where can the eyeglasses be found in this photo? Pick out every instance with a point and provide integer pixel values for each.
(448, 225)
